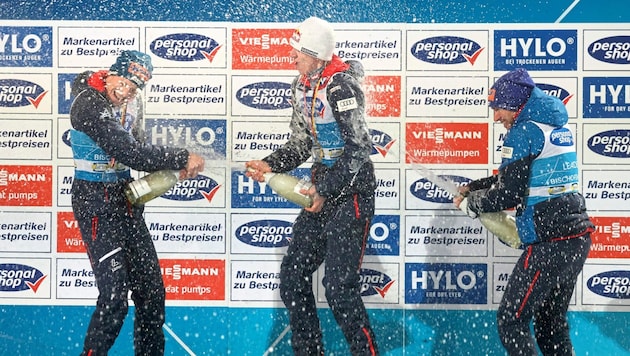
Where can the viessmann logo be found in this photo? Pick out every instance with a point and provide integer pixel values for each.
(265, 95)
(615, 49)
(424, 189)
(611, 284)
(17, 277)
(17, 93)
(265, 233)
(446, 50)
(613, 143)
(185, 47)
(266, 40)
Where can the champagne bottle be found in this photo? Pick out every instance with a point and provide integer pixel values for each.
(289, 187)
(151, 186)
(503, 226)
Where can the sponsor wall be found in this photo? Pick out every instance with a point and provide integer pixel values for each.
(222, 89)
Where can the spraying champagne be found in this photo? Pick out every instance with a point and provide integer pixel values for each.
(499, 223)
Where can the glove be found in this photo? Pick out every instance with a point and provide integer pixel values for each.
(463, 206)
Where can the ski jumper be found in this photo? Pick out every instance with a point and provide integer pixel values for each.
(105, 143)
(539, 176)
(328, 126)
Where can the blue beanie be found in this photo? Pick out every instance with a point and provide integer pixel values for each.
(511, 90)
(133, 65)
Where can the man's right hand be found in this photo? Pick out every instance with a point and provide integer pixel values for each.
(256, 168)
(195, 165)
(463, 192)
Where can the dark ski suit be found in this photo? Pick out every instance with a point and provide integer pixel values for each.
(539, 176)
(331, 129)
(118, 242)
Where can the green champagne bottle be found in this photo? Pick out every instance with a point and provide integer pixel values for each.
(503, 226)
(151, 186)
(289, 187)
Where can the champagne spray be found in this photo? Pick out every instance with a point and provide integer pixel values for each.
(499, 223)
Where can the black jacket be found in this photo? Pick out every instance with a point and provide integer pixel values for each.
(353, 171)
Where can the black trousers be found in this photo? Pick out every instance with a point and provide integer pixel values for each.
(123, 259)
(336, 237)
(540, 288)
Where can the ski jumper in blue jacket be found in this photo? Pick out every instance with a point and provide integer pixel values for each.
(539, 177)
(106, 143)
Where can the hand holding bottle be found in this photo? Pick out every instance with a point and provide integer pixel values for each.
(318, 200)
(256, 169)
(499, 223)
(463, 192)
(291, 188)
(194, 166)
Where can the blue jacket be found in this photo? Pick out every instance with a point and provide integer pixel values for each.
(538, 175)
(100, 136)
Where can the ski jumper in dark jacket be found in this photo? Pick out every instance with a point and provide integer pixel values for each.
(117, 240)
(328, 125)
(539, 176)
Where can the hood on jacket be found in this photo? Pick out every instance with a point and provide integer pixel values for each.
(545, 109)
(80, 83)
(337, 65)
(355, 69)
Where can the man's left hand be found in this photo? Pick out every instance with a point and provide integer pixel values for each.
(318, 200)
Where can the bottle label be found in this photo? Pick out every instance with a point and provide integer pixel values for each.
(302, 184)
(140, 188)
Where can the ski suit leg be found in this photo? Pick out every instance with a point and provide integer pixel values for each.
(147, 291)
(304, 255)
(540, 287)
(103, 239)
(346, 237)
(550, 321)
(123, 259)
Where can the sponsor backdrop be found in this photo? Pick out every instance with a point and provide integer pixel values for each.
(432, 277)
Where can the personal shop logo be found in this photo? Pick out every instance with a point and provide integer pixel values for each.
(265, 95)
(614, 49)
(446, 50)
(611, 284)
(556, 91)
(612, 143)
(374, 282)
(16, 277)
(265, 233)
(561, 137)
(185, 47)
(426, 190)
(18, 93)
(381, 142)
(198, 188)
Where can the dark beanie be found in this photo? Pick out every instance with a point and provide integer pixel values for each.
(511, 90)
(133, 65)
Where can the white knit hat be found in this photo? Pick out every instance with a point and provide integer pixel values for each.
(314, 37)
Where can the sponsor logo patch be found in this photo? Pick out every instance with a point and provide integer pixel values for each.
(347, 104)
